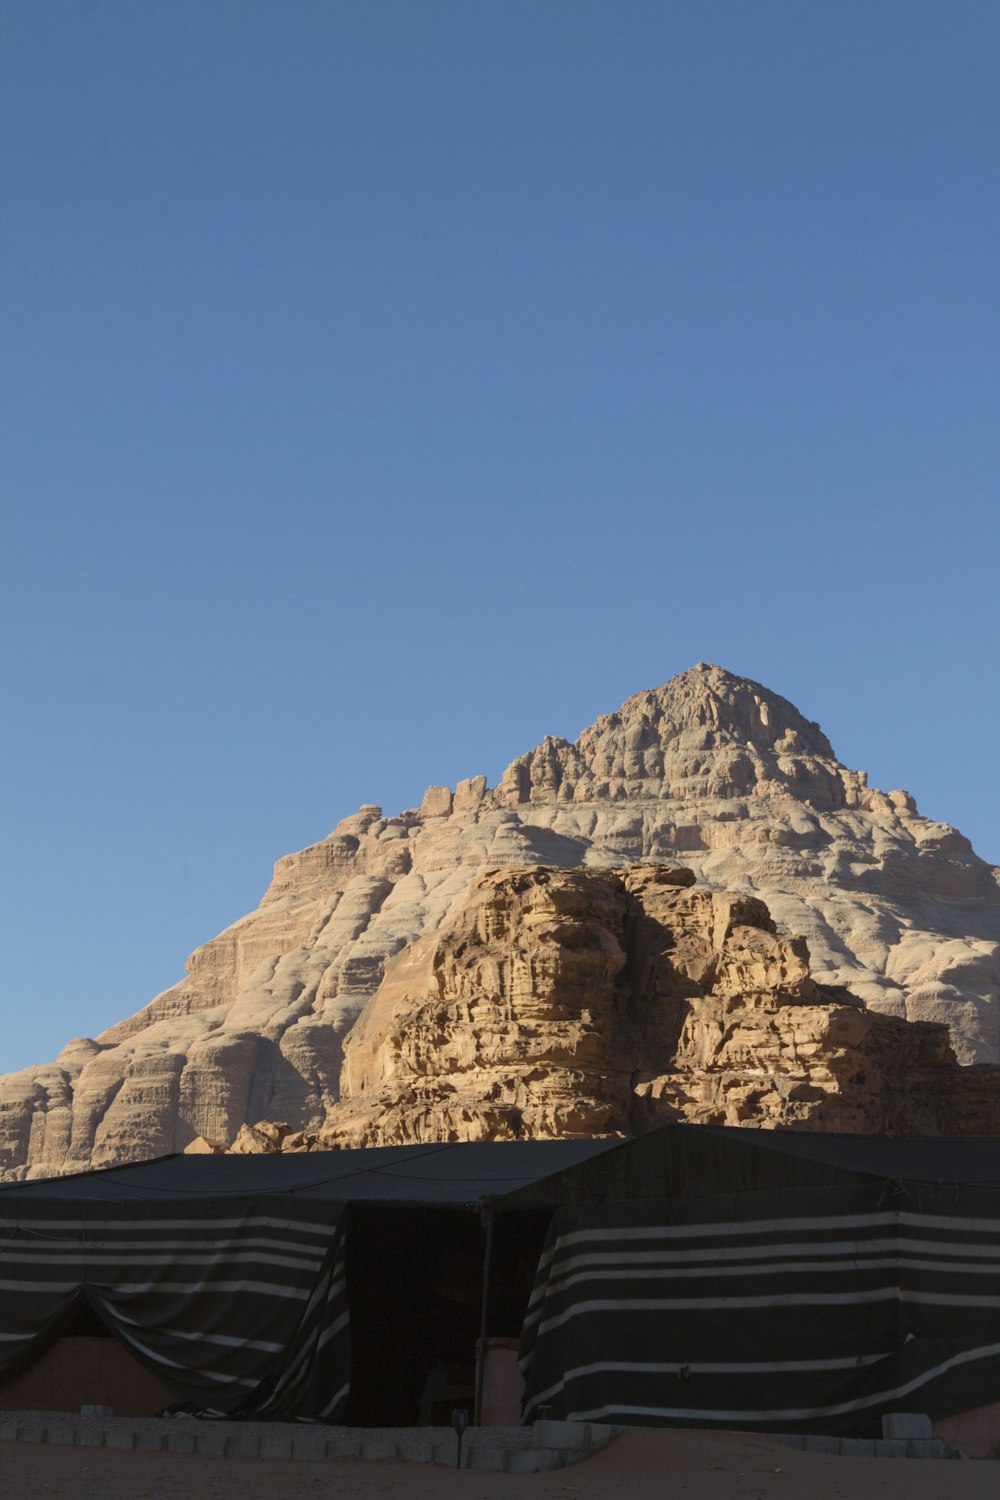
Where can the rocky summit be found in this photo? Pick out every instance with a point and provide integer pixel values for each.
(694, 911)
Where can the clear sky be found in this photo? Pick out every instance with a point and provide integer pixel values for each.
(389, 383)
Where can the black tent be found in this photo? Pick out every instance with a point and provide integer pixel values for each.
(226, 1276)
(697, 1276)
(788, 1282)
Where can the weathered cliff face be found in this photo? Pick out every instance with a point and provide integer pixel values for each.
(711, 771)
(560, 1003)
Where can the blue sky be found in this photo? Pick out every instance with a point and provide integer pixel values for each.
(386, 385)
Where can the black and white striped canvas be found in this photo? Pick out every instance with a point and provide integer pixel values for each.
(812, 1310)
(238, 1305)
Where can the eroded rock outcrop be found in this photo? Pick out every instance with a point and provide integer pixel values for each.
(711, 771)
(559, 1003)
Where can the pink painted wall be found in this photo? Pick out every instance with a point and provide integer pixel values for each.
(77, 1372)
(503, 1384)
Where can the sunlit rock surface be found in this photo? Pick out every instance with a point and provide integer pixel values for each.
(711, 771)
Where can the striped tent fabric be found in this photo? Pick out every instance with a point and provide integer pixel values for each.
(814, 1310)
(238, 1304)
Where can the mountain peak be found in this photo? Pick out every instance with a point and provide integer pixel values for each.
(729, 708)
(705, 727)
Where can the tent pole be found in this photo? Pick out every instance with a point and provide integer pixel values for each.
(487, 1215)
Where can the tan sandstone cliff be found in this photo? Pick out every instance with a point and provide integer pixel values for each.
(561, 1003)
(710, 771)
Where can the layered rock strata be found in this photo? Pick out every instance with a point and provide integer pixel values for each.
(712, 771)
(579, 1003)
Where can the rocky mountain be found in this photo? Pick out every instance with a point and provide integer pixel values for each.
(349, 970)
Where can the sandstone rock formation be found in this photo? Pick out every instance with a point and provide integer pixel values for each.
(561, 1003)
(711, 771)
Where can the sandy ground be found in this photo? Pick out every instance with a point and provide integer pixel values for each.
(638, 1466)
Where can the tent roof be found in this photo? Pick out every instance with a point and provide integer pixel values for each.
(675, 1159)
(698, 1159)
(452, 1173)
(966, 1159)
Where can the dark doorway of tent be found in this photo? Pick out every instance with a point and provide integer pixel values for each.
(415, 1281)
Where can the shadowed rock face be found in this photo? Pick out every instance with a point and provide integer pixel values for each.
(711, 771)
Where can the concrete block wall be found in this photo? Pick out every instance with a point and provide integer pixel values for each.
(546, 1446)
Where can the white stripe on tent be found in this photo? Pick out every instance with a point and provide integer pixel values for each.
(56, 1246)
(319, 1298)
(336, 1327)
(335, 1401)
(729, 1229)
(39, 1286)
(148, 1224)
(794, 1414)
(887, 1244)
(92, 1259)
(947, 1221)
(803, 1223)
(192, 1288)
(856, 1257)
(197, 1337)
(748, 1367)
(227, 1342)
(187, 1370)
(338, 1287)
(848, 1265)
(188, 1288)
(660, 1304)
(948, 1299)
